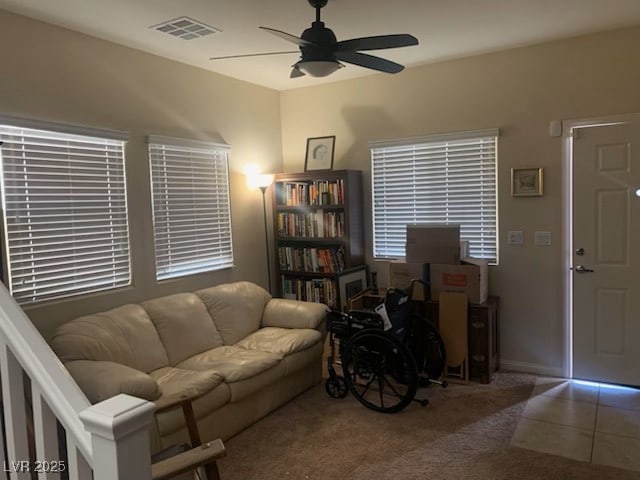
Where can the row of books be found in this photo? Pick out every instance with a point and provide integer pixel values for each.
(320, 290)
(311, 259)
(317, 224)
(316, 192)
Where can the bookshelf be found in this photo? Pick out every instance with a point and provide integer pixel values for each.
(319, 234)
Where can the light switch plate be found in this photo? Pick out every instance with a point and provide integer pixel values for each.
(516, 237)
(542, 239)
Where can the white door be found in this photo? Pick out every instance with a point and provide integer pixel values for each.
(606, 253)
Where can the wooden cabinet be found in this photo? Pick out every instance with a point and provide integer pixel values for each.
(483, 353)
(318, 225)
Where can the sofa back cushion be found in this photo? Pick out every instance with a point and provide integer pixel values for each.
(184, 325)
(236, 308)
(123, 335)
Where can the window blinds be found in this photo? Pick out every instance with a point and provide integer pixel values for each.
(65, 213)
(439, 179)
(191, 208)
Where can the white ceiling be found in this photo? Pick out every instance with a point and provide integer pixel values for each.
(445, 28)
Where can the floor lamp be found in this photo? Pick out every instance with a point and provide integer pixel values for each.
(264, 181)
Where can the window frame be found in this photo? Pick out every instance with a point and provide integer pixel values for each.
(114, 142)
(445, 141)
(194, 147)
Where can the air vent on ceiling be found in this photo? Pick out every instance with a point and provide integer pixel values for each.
(185, 28)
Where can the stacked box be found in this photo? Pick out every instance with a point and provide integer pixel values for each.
(449, 269)
(464, 249)
(471, 277)
(401, 273)
(433, 243)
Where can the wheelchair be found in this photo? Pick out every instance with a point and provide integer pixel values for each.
(385, 355)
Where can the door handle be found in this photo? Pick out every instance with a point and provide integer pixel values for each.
(582, 269)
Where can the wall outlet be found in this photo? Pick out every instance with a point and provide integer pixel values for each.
(516, 237)
(542, 239)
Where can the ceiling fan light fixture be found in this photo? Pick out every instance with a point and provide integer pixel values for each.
(319, 68)
(321, 53)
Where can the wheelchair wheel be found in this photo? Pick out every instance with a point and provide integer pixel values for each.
(428, 347)
(380, 372)
(336, 387)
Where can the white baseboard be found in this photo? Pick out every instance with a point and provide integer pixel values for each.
(525, 367)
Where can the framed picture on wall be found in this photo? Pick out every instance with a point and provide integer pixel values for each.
(319, 154)
(350, 283)
(526, 182)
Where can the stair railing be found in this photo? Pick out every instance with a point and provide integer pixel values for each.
(105, 441)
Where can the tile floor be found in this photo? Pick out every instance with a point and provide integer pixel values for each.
(584, 421)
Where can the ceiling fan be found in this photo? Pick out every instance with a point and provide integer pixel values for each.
(321, 53)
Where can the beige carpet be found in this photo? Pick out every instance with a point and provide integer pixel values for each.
(462, 435)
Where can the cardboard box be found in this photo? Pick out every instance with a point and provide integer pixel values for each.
(401, 273)
(433, 243)
(453, 328)
(464, 249)
(471, 277)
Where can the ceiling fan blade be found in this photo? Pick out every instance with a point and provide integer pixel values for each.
(296, 72)
(377, 43)
(253, 55)
(288, 37)
(369, 61)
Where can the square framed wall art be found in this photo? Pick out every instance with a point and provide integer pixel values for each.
(526, 182)
(319, 154)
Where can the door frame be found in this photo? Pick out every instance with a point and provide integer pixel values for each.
(568, 127)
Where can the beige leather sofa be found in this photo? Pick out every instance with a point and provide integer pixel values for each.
(244, 352)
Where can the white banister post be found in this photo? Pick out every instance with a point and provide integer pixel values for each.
(119, 429)
(15, 415)
(78, 467)
(45, 430)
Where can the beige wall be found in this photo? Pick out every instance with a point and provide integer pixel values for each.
(54, 74)
(519, 91)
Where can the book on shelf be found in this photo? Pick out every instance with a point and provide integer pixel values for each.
(317, 224)
(311, 259)
(318, 230)
(320, 290)
(315, 192)
(295, 193)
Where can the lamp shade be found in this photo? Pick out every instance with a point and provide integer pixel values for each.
(320, 68)
(256, 179)
(264, 180)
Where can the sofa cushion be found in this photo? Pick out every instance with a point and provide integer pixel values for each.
(236, 308)
(123, 335)
(233, 363)
(173, 381)
(172, 420)
(102, 380)
(257, 384)
(213, 395)
(304, 359)
(281, 341)
(184, 325)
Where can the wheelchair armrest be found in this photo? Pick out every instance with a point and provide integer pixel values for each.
(363, 314)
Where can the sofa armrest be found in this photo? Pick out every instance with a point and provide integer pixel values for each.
(100, 380)
(284, 313)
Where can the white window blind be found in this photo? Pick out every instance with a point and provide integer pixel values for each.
(438, 179)
(65, 213)
(191, 208)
